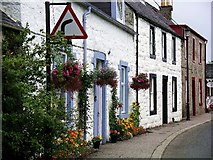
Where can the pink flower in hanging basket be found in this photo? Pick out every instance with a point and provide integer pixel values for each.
(140, 82)
(67, 76)
(55, 72)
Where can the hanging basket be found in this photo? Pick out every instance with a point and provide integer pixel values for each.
(140, 82)
(106, 76)
(73, 84)
(137, 86)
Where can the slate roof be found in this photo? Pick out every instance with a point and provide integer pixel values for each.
(6, 21)
(105, 16)
(152, 15)
(209, 70)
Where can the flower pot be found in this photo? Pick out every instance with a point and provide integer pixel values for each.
(96, 144)
(114, 139)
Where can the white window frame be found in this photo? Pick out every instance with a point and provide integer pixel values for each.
(118, 10)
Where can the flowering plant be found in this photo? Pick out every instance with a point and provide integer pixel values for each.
(67, 76)
(120, 105)
(70, 144)
(106, 76)
(140, 82)
(96, 139)
(114, 133)
(135, 113)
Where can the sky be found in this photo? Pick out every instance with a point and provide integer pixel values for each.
(197, 15)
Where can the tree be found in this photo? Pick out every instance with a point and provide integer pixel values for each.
(29, 122)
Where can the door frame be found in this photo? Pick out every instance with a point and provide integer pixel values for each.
(164, 100)
(100, 56)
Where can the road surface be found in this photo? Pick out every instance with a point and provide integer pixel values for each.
(194, 143)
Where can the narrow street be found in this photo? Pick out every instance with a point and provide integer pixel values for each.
(147, 145)
(194, 143)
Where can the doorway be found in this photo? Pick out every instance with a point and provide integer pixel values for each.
(165, 99)
(100, 118)
(193, 97)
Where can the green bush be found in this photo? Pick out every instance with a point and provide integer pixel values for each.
(29, 122)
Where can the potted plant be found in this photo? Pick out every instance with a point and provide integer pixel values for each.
(96, 141)
(140, 82)
(67, 76)
(106, 76)
(114, 135)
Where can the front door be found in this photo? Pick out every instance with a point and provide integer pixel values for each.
(165, 103)
(100, 102)
(193, 97)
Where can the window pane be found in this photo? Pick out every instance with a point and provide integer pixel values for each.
(152, 95)
(123, 89)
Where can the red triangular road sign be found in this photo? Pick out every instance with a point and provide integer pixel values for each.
(69, 24)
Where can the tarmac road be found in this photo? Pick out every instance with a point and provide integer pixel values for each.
(194, 143)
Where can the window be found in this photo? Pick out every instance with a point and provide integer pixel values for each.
(200, 92)
(185, 55)
(200, 58)
(174, 94)
(152, 42)
(173, 50)
(118, 10)
(164, 52)
(153, 94)
(124, 96)
(193, 50)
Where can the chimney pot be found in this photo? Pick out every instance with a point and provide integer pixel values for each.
(167, 2)
(162, 2)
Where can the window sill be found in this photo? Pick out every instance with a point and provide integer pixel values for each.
(124, 115)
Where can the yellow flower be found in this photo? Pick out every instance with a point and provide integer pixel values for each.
(100, 137)
(134, 103)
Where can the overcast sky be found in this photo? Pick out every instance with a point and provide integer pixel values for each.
(197, 15)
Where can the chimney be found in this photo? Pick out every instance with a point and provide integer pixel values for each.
(166, 9)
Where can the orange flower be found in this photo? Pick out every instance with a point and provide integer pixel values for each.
(72, 141)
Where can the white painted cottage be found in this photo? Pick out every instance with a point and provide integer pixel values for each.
(159, 55)
(130, 37)
(109, 42)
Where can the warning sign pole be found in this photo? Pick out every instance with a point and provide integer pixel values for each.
(48, 60)
(47, 145)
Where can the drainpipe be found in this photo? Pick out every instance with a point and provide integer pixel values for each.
(205, 77)
(136, 52)
(86, 13)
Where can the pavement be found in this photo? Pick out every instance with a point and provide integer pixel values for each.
(152, 144)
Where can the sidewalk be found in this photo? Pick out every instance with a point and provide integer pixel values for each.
(149, 145)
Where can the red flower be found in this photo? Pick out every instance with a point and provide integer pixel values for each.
(71, 69)
(55, 72)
